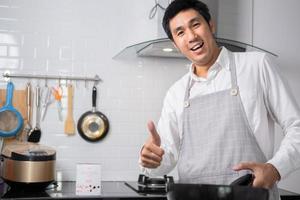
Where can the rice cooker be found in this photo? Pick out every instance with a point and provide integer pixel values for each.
(28, 165)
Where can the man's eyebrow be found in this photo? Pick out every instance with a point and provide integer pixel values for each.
(190, 22)
(178, 29)
(194, 19)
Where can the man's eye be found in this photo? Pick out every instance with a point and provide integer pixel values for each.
(179, 33)
(196, 25)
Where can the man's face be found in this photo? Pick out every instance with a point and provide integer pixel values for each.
(193, 36)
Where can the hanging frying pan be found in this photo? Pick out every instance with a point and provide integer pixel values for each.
(93, 125)
(11, 120)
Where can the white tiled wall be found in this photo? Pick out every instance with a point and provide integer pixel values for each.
(79, 38)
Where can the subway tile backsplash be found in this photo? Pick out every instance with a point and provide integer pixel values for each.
(80, 38)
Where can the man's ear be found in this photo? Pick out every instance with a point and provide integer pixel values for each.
(212, 26)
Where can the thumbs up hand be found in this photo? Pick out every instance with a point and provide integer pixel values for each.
(151, 154)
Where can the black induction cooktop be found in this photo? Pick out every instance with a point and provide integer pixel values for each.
(67, 190)
(110, 190)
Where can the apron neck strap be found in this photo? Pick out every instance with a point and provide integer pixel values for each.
(232, 68)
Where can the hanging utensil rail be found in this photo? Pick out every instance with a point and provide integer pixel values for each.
(7, 75)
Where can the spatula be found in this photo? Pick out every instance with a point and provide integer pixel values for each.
(69, 123)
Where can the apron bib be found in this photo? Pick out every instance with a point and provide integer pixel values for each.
(216, 136)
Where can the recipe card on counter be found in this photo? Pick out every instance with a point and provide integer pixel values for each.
(88, 179)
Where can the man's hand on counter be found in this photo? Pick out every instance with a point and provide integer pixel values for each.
(151, 153)
(265, 174)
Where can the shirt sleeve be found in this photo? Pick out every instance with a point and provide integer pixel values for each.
(282, 107)
(168, 130)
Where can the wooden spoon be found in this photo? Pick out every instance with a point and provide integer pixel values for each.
(69, 123)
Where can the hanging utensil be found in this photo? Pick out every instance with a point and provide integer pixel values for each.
(11, 120)
(28, 126)
(93, 125)
(57, 93)
(45, 101)
(69, 123)
(35, 134)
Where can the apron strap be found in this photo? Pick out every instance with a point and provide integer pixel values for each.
(234, 86)
(232, 70)
(187, 90)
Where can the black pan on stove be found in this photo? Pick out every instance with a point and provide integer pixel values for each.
(180, 191)
(240, 188)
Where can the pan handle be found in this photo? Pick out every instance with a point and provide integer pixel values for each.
(94, 98)
(28, 100)
(9, 94)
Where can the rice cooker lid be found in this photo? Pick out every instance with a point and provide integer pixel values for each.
(29, 152)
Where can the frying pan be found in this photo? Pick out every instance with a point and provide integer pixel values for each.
(217, 192)
(11, 120)
(93, 125)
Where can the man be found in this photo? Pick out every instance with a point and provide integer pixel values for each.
(217, 122)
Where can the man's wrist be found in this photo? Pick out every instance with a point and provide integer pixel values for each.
(275, 171)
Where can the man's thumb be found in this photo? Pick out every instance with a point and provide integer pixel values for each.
(154, 135)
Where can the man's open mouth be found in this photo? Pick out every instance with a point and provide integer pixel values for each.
(197, 46)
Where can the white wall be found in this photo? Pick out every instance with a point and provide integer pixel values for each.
(79, 38)
(235, 20)
(276, 28)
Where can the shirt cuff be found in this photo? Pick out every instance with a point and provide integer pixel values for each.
(282, 166)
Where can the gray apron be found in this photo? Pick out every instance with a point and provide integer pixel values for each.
(216, 136)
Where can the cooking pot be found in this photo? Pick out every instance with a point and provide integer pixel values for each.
(28, 165)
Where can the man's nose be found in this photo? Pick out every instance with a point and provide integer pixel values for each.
(192, 36)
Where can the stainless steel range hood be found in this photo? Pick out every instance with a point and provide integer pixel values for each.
(164, 48)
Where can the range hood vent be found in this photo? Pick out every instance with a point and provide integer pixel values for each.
(164, 48)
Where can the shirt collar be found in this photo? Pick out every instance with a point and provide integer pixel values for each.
(221, 62)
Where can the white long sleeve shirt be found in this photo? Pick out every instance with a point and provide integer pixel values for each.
(266, 99)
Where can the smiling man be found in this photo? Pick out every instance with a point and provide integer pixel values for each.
(217, 122)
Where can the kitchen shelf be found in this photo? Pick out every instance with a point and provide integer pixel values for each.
(7, 76)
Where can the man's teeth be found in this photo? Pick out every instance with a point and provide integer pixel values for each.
(198, 46)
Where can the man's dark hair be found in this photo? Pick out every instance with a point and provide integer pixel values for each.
(180, 5)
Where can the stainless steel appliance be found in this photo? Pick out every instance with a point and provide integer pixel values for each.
(28, 165)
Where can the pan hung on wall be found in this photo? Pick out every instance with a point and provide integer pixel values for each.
(161, 46)
(93, 125)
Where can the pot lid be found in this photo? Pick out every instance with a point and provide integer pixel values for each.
(27, 151)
